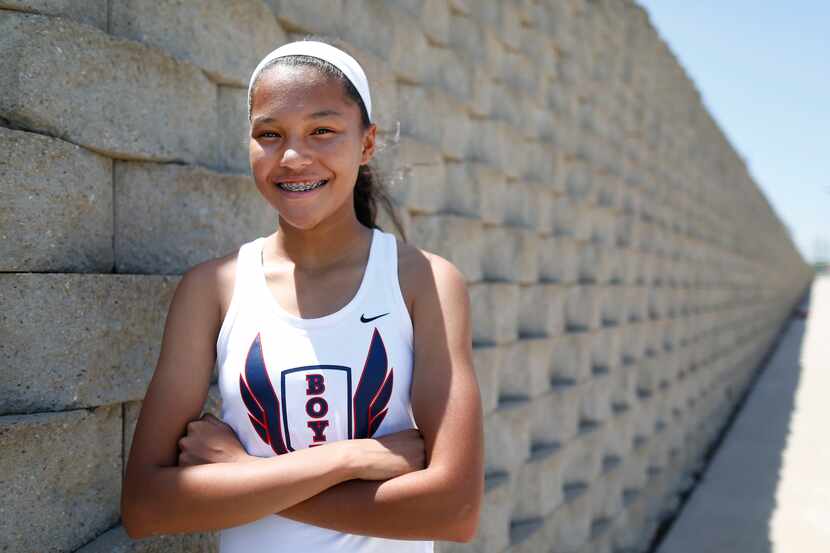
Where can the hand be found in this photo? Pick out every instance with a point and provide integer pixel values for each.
(209, 440)
(391, 455)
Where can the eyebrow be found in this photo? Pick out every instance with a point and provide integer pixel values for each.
(315, 115)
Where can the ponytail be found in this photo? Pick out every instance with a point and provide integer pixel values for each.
(368, 193)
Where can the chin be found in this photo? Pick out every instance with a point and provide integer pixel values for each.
(300, 223)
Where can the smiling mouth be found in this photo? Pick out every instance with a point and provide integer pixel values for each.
(301, 186)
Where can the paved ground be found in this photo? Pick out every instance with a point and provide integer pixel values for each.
(767, 489)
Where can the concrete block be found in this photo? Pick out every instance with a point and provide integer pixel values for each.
(632, 346)
(490, 145)
(116, 540)
(613, 308)
(539, 483)
(492, 190)
(480, 101)
(458, 239)
(571, 359)
(541, 310)
(382, 79)
(532, 535)
(583, 456)
(56, 214)
(60, 476)
(466, 37)
(171, 217)
(389, 32)
(452, 72)
(90, 12)
(409, 51)
(415, 174)
(573, 524)
(493, 534)
(570, 219)
(605, 350)
(559, 260)
(509, 203)
(495, 312)
(235, 135)
(93, 338)
(582, 308)
(526, 368)
(308, 16)
(511, 254)
(226, 39)
(607, 495)
(462, 190)
(554, 416)
(507, 437)
(433, 116)
(459, 7)
(72, 92)
(541, 200)
(594, 266)
(489, 365)
(433, 16)
(596, 399)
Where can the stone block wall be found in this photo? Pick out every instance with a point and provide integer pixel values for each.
(627, 276)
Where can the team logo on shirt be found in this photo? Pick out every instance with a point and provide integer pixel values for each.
(316, 403)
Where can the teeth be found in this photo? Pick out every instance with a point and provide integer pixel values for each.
(300, 186)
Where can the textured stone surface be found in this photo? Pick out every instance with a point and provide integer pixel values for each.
(458, 239)
(56, 77)
(415, 175)
(93, 338)
(491, 298)
(235, 130)
(55, 214)
(117, 541)
(151, 237)
(60, 473)
(226, 39)
(308, 16)
(91, 12)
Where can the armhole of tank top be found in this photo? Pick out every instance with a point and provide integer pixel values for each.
(407, 330)
(233, 306)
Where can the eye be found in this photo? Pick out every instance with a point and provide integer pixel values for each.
(322, 130)
(268, 133)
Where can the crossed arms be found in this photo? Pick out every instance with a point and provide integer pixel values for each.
(321, 485)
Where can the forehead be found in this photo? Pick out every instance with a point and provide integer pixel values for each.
(298, 89)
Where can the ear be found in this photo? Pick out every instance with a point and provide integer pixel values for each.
(369, 143)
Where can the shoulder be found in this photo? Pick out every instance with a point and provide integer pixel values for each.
(427, 278)
(212, 281)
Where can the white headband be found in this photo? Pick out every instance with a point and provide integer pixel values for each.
(335, 56)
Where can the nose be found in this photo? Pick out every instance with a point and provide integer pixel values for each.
(294, 159)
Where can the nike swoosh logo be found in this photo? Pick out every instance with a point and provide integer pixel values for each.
(363, 318)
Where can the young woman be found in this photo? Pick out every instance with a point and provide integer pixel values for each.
(333, 342)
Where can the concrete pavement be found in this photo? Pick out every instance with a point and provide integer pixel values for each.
(767, 488)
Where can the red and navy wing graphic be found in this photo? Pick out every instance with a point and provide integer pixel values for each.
(371, 399)
(260, 399)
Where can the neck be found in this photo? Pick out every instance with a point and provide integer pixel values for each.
(327, 245)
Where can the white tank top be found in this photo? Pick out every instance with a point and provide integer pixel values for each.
(288, 383)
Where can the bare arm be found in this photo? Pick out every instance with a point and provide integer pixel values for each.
(160, 497)
(442, 501)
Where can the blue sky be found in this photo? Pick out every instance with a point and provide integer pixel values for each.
(763, 70)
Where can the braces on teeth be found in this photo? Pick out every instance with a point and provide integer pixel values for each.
(300, 186)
